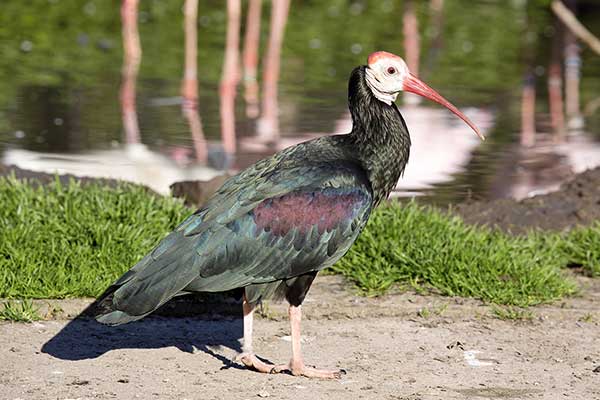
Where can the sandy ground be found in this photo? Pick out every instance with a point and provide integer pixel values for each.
(402, 346)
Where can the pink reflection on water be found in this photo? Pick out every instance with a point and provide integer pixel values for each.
(268, 124)
(442, 145)
(230, 77)
(555, 84)
(189, 85)
(250, 58)
(528, 111)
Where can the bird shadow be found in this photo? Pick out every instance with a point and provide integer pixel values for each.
(84, 338)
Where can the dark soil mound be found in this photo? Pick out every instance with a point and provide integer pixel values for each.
(43, 178)
(577, 202)
(196, 193)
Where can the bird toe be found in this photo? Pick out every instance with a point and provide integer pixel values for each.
(250, 360)
(311, 372)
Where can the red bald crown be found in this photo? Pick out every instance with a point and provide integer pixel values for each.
(374, 57)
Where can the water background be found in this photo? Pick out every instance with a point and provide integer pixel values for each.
(60, 73)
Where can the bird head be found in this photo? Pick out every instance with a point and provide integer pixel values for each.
(387, 75)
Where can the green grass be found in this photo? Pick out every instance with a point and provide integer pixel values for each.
(65, 240)
(512, 313)
(417, 245)
(582, 249)
(68, 241)
(427, 312)
(19, 311)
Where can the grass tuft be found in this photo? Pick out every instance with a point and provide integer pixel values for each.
(512, 313)
(409, 243)
(65, 240)
(581, 247)
(427, 312)
(20, 311)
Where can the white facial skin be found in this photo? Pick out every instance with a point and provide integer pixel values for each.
(385, 77)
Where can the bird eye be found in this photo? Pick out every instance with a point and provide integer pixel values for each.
(391, 70)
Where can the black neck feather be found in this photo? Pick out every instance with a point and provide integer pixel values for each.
(379, 134)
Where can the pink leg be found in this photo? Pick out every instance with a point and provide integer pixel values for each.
(296, 365)
(247, 357)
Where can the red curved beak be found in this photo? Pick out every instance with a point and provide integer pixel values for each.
(415, 85)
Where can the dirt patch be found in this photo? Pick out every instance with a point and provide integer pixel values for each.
(577, 202)
(35, 178)
(196, 193)
(389, 347)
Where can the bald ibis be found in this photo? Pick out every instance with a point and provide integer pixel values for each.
(271, 228)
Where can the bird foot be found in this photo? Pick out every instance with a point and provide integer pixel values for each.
(299, 369)
(251, 361)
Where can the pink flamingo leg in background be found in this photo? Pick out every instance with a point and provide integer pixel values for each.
(250, 58)
(555, 83)
(528, 111)
(189, 85)
(268, 125)
(410, 29)
(230, 76)
(557, 115)
(132, 55)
